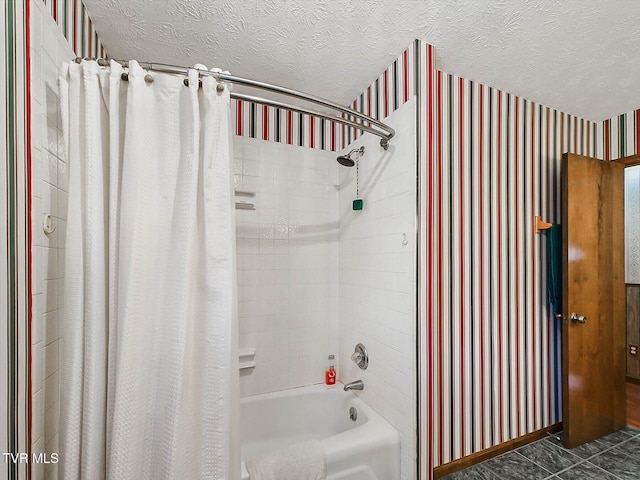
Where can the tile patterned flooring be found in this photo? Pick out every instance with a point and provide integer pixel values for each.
(614, 457)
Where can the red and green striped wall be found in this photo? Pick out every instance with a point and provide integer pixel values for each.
(73, 19)
(16, 191)
(427, 288)
(386, 94)
(620, 136)
(495, 346)
(272, 124)
(491, 163)
(392, 89)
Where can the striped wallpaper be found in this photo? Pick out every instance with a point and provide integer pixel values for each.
(73, 19)
(426, 288)
(620, 136)
(16, 85)
(495, 164)
(263, 122)
(495, 349)
(392, 89)
(385, 95)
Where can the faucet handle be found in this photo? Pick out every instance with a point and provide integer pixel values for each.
(360, 357)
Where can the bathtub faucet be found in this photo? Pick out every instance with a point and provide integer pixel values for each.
(356, 385)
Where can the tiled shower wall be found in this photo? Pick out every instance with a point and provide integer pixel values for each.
(49, 186)
(377, 272)
(287, 253)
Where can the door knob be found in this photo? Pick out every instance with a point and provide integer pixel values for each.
(578, 318)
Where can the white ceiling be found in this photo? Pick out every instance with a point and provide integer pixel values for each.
(582, 57)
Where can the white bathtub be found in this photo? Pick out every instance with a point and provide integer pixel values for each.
(367, 449)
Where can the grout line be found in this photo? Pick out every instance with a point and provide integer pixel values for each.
(536, 464)
(610, 473)
(587, 460)
(590, 463)
(580, 462)
(610, 448)
(560, 471)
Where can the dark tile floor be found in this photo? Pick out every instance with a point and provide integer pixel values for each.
(614, 457)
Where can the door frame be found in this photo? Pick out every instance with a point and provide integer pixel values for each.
(630, 161)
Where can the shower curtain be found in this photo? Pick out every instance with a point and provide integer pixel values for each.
(149, 363)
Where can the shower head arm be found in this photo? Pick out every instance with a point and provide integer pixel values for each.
(356, 151)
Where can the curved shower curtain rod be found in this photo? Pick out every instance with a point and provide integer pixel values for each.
(382, 130)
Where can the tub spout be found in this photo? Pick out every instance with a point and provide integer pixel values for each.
(356, 385)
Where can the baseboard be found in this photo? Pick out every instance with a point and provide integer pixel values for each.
(634, 380)
(474, 458)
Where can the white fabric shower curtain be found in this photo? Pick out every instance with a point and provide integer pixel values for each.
(149, 385)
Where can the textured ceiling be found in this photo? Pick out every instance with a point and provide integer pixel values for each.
(582, 57)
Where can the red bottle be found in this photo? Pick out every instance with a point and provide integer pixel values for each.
(330, 375)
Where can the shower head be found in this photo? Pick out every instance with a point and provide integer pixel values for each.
(349, 160)
(346, 161)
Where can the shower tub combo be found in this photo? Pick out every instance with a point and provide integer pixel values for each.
(358, 443)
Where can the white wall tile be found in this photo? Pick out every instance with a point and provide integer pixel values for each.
(376, 272)
(51, 327)
(37, 469)
(50, 295)
(49, 185)
(51, 469)
(51, 417)
(316, 277)
(36, 171)
(37, 408)
(51, 388)
(37, 363)
(37, 317)
(63, 200)
(37, 272)
(49, 259)
(50, 360)
(284, 264)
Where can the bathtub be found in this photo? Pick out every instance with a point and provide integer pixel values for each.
(365, 449)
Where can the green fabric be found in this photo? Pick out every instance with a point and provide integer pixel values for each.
(554, 285)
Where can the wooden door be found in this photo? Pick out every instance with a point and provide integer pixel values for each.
(593, 353)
